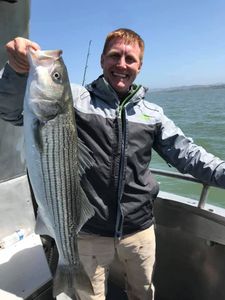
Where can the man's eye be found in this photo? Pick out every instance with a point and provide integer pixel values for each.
(130, 59)
(115, 55)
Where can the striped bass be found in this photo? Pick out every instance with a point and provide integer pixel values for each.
(56, 159)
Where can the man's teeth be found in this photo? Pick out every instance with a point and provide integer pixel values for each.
(120, 75)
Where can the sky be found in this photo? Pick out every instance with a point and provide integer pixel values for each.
(184, 39)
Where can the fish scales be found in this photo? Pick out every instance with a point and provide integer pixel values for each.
(61, 178)
(55, 165)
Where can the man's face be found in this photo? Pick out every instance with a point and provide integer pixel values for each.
(121, 63)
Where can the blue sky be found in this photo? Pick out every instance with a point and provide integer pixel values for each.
(184, 40)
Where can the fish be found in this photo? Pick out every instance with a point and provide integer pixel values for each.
(56, 159)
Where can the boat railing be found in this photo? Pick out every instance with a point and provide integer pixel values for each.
(204, 190)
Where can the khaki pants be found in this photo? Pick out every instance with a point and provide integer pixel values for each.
(136, 252)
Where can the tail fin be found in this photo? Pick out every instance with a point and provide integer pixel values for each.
(69, 278)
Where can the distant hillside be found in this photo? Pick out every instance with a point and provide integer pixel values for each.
(189, 87)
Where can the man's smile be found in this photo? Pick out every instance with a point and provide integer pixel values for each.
(119, 75)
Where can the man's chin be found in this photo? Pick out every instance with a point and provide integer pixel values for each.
(122, 93)
(121, 88)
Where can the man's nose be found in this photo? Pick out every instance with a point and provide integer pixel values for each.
(122, 61)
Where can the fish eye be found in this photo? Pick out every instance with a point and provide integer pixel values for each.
(56, 76)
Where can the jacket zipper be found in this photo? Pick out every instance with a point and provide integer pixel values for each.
(119, 219)
(122, 115)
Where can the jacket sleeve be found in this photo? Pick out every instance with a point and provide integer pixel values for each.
(181, 152)
(12, 91)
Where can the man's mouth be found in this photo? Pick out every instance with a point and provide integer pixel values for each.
(119, 75)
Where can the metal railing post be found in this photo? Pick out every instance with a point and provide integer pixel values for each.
(203, 196)
(205, 188)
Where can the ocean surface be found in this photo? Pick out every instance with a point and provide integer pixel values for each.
(200, 113)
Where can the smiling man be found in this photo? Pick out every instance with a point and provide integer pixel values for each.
(121, 60)
(121, 128)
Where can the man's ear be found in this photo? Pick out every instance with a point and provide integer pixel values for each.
(139, 69)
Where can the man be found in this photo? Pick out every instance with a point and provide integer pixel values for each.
(121, 129)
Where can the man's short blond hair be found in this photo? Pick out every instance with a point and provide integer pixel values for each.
(128, 36)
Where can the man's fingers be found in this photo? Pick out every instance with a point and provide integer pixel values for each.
(17, 66)
(19, 57)
(17, 53)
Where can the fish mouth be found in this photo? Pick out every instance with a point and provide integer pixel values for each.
(42, 56)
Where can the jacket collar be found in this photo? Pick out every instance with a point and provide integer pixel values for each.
(102, 89)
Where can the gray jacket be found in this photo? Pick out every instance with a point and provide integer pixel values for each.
(121, 136)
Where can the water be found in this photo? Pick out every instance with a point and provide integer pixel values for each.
(200, 113)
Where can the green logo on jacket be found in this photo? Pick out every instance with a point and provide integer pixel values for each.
(144, 118)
